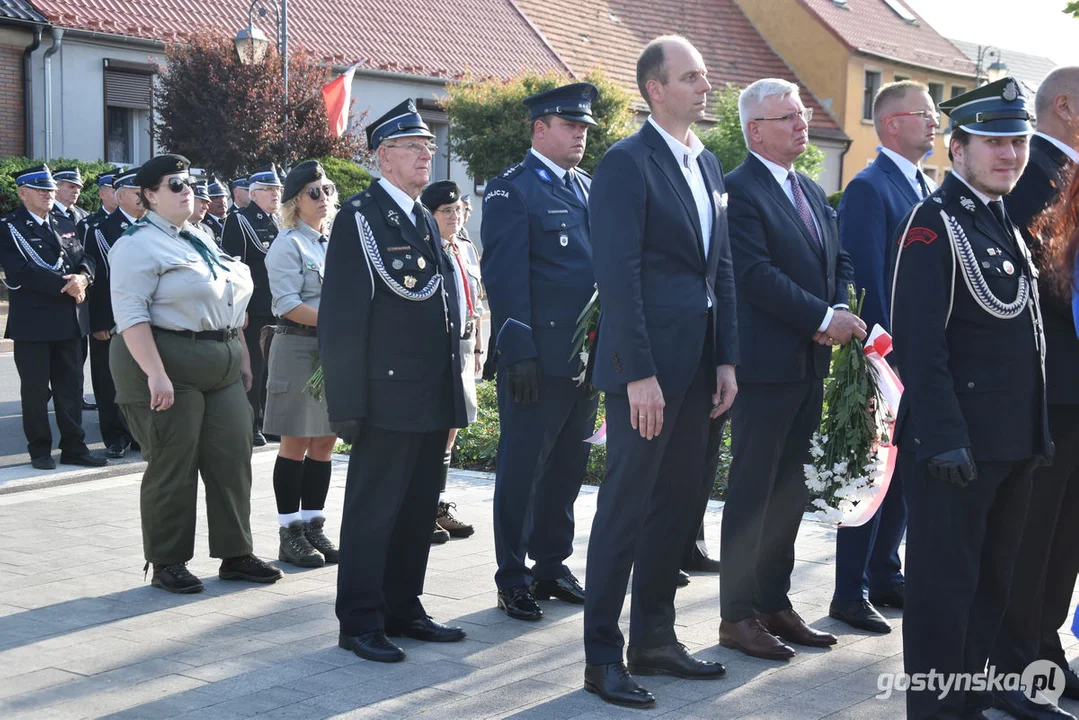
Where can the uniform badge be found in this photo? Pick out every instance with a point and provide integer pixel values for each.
(124, 224)
(356, 203)
(967, 204)
(563, 240)
(544, 175)
(1008, 267)
(985, 264)
(258, 216)
(937, 200)
(1011, 92)
(919, 234)
(266, 244)
(992, 251)
(410, 282)
(397, 264)
(421, 263)
(393, 218)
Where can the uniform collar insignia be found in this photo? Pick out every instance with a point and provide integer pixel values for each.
(258, 215)
(937, 200)
(393, 219)
(542, 172)
(124, 224)
(967, 204)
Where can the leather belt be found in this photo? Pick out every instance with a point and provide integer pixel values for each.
(218, 335)
(301, 330)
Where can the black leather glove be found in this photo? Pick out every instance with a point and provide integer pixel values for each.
(956, 466)
(524, 381)
(347, 430)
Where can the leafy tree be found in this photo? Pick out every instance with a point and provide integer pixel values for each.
(726, 141)
(227, 117)
(490, 128)
(1072, 8)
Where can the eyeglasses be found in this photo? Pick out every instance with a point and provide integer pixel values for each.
(415, 147)
(177, 185)
(449, 210)
(806, 115)
(923, 114)
(316, 192)
(272, 189)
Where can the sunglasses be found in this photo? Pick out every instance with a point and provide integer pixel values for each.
(177, 185)
(316, 192)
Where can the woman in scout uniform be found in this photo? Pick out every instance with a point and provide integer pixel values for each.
(443, 199)
(180, 367)
(295, 264)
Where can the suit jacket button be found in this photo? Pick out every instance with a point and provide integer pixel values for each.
(563, 225)
(917, 441)
(390, 373)
(552, 323)
(970, 385)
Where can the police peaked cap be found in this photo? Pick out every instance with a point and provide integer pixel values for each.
(402, 120)
(999, 108)
(267, 176)
(38, 177)
(572, 102)
(201, 191)
(126, 179)
(216, 188)
(240, 182)
(69, 174)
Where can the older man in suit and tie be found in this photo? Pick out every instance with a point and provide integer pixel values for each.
(665, 356)
(867, 567)
(792, 278)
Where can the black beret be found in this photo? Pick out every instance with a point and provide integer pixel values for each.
(306, 172)
(440, 193)
(151, 172)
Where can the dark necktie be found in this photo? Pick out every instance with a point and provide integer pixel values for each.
(997, 208)
(571, 184)
(802, 206)
(417, 214)
(922, 184)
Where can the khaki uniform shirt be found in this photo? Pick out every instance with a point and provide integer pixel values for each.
(159, 278)
(295, 264)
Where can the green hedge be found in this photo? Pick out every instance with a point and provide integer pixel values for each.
(477, 445)
(88, 200)
(349, 177)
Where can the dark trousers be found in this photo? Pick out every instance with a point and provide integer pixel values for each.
(961, 548)
(1047, 563)
(696, 548)
(771, 425)
(256, 396)
(647, 500)
(867, 556)
(111, 421)
(391, 499)
(542, 456)
(56, 364)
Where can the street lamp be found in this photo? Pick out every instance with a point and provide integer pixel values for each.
(983, 75)
(252, 44)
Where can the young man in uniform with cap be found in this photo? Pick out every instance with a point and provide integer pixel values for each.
(247, 234)
(389, 331)
(241, 196)
(537, 266)
(972, 423)
(100, 237)
(48, 275)
(106, 194)
(218, 210)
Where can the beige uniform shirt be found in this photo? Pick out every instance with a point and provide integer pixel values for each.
(295, 264)
(159, 278)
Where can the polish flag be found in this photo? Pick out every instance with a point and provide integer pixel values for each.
(338, 98)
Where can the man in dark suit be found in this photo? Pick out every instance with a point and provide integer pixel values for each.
(1047, 563)
(48, 275)
(792, 278)
(972, 422)
(537, 267)
(68, 186)
(867, 566)
(389, 343)
(665, 356)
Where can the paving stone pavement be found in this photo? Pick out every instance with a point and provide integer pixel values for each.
(82, 634)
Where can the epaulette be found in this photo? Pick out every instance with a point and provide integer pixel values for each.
(512, 171)
(938, 197)
(363, 197)
(579, 171)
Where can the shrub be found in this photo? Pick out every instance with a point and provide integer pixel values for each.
(349, 177)
(834, 198)
(88, 200)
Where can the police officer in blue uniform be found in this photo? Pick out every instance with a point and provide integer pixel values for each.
(389, 335)
(247, 234)
(537, 267)
(106, 194)
(241, 196)
(972, 423)
(48, 275)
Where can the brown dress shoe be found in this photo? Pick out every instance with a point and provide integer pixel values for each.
(750, 637)
(790, 626)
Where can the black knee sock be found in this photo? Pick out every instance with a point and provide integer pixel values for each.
(287, 485)
(316, 483)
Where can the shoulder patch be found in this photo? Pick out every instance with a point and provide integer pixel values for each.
(512, 171)
(918, 234)
(496, 193)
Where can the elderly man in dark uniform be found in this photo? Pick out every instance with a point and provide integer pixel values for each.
(48, 274)
(100, 237)
(68, 186)
(972, 422)
(247, 235)
(218, 210)
(537, 267)
(389, 330)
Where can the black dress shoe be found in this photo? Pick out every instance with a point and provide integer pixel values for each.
(88, 406)
(613, 683)
(371, 646)
(1019, 706)
(87, 460)
(424, 629)
(43, 462)
(519, 603)
(683, 579)
(116, 450)
(565, 588)
(702, 564)
(258, 439)
(859, 614)
(891, 597)
(671, 660)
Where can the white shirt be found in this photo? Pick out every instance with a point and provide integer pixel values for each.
(40, 221)
(129, 218)
(58, 204)
(400, 197)
(1064, 147)
(686, 157)
(909, 170)
(781, 174)
(559, 172)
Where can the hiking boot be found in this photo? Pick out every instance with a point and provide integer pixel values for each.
(250, 568)
(438, 535)
(319, 541)
(296, 548)
(175, 578)
(446, 520)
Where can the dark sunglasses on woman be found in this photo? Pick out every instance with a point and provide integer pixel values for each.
(177, 185)
(316, 192)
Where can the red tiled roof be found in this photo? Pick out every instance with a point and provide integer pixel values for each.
(433, 38)
(610, 34)
(873, 28)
